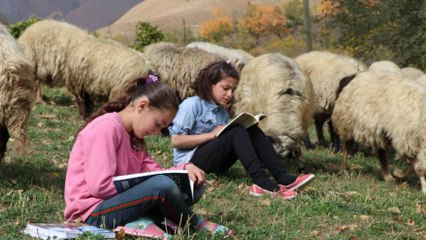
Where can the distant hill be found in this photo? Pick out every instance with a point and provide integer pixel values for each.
(95, 14)
(12, 11)
(87, 14)
(170, 14)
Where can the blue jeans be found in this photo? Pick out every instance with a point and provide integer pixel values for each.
(158, 197)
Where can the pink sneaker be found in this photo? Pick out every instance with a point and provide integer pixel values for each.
(300, 181)
(283, 193)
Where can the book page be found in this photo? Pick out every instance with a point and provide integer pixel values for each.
(245, 119)
(181, 178)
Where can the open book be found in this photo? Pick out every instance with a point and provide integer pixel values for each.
(245, 119)
(181, 178)
(64, 230)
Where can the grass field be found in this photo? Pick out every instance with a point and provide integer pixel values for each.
(357, 204)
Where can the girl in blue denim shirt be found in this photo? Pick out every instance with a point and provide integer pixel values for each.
(200, 118)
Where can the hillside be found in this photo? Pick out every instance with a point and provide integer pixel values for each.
(87, 14)
(18, 10)
(169, 15)
(99, 13)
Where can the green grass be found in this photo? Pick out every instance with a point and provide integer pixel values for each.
(357, 204)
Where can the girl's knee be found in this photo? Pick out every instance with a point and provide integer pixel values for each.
(165, 185)
(236, 129)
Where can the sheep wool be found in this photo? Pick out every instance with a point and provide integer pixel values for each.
(92, 69)
(238, 57)
(385, 66)
(412, 72)
(381, 110)
(16, 92)
(325, 70)
(274, 85)
(179, 66)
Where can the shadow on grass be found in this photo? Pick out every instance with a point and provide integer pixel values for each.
(18, 174)
(364, 162)
(60, 100)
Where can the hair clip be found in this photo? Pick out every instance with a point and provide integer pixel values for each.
(151, 78)
(228, 61)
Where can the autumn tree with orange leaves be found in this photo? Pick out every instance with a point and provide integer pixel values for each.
(260, 28)
(264, 19)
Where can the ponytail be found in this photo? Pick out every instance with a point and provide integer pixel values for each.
(159, 94)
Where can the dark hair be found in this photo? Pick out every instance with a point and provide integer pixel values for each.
(159, 94)
(211, 75)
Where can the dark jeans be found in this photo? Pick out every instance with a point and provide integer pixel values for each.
(251, 146)
(157, 197)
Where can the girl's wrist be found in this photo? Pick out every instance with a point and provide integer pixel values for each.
(186, 164)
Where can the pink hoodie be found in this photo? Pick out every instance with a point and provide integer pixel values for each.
(102, 150)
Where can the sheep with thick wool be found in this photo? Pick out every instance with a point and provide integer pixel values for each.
(92, 69)
(325, 70)
(273, 84)
(179, 66)
(16, 92)
(384, 110)
(238, 56)
(385, 66)
(412, 72)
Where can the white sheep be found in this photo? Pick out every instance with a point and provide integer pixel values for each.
(179, 66)
(412, 72)
(238, 57)
(385, 66)
(273, 84)
(384, 110)
(16, 92)
(92, 69)
(326, 70)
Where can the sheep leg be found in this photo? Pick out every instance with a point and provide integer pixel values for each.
(307, 142)
(335, 139)
(85, 104)
(4, 137)
(423, 183)
(319, 121)
(346, 147)
(385, 166)
(37, 92)
(300, 160)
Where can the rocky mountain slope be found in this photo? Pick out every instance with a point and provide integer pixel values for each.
(173, 14)
(88, 14)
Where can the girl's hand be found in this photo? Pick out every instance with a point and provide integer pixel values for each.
(217, 130)
(196, 174)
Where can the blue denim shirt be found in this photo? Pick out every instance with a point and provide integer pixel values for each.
(195, 116)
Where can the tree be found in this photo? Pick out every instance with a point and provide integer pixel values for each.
(216, 29)
(18, 28)
(264, 19)
(146, 34)
(369, 29)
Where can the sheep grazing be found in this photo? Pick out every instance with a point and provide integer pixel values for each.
(179, 66)
(92, 69)
(326, 69)
(411, 72)
(16, 92)
(239, 57)
(274, 85)
(384, 110)
(385, 66)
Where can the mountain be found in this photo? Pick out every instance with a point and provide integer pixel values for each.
(170, 15)
(87, 14)
(95, 14)
(12, 11)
